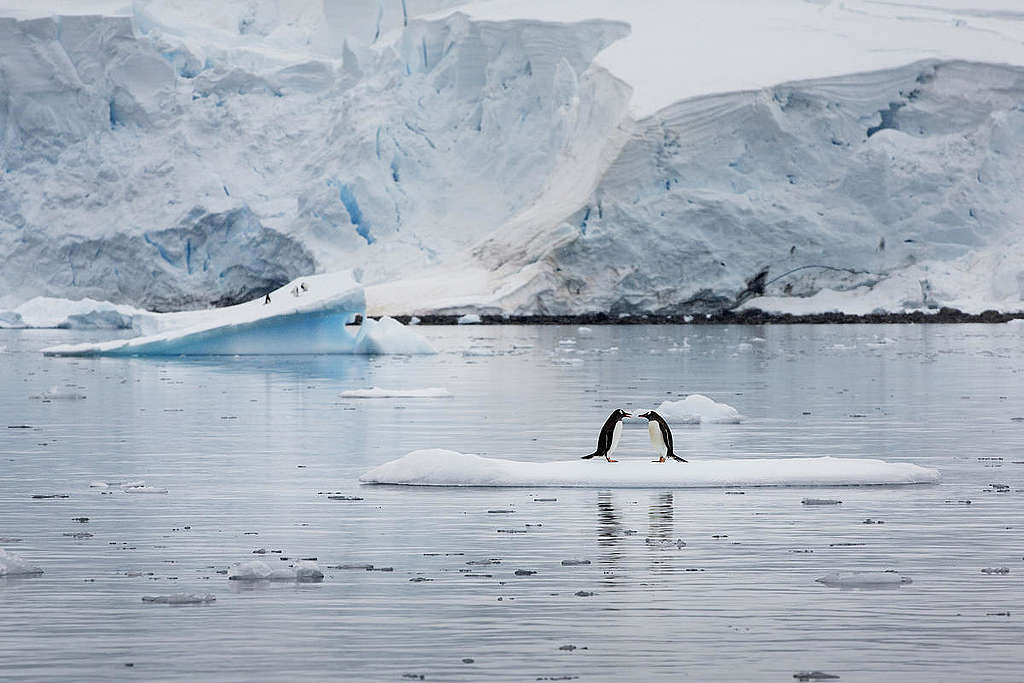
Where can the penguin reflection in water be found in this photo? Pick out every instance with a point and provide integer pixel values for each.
(661, 436)
(608, 439)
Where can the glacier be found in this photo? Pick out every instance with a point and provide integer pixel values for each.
(512, 157)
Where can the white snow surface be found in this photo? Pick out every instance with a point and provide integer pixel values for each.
(14, 565)
(438, 467)
(377, 392)
(512, 156)
(697, 409)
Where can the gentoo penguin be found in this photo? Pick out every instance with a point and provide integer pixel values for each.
(661, 436)
(267, 300)
(608, 439)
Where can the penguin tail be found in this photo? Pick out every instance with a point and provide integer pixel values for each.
(588, 457)
(677, 458)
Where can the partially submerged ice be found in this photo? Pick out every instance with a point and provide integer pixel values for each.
(870, 579)
(697, 409)
(15, 565)
(258, 570)
(438, 467)
(307, 315)
(180, 598)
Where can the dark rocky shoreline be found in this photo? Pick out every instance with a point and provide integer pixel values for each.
(747, 317)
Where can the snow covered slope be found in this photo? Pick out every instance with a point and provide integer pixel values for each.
(526, 157)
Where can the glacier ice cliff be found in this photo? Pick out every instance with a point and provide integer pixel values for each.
(514, 157)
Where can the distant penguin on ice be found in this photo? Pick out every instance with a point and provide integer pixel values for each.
(267, 300)
(661, 436)
(608, 439)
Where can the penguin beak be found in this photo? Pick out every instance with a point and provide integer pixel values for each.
(627, 414)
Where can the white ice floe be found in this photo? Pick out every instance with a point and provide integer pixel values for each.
(55, 394)
(875, 579)
(180, 598)
(584, 331)
(387, 335)
(14, 565)
(143, 489)
(258, 570)
(469, 319)
(438, 467)
(377, 392)
(697, 409)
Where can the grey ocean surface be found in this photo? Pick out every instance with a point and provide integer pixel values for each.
(248, 447)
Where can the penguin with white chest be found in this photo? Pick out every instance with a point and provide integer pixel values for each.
(608, 439)
(661, 436)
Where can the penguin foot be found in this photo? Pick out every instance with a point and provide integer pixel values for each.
(659, 460)
(610, 460)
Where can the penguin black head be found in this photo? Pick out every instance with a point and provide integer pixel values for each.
(620, 413)
(649, 415)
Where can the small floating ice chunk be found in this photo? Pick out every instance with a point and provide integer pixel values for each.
(584, 331)
(820, 501)
(98, 485)
(814, 676)
(995, 570)
(697, 409)
(869, 579)
(55, 394)
(469, 319)
(574, 563)
(143, 489)
(258, 570)
(378, 392)
(180, 598)
(15, 565)
(388, 336)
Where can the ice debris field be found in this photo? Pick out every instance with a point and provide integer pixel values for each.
(438, 467)
(307, 315)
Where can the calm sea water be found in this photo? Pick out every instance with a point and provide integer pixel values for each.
(247, 446)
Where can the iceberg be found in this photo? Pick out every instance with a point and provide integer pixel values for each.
(696, 409)
(388, 336)
(14, 565)
(439, 467)
(307, 315)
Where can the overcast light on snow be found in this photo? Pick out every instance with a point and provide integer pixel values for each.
(500, 339)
